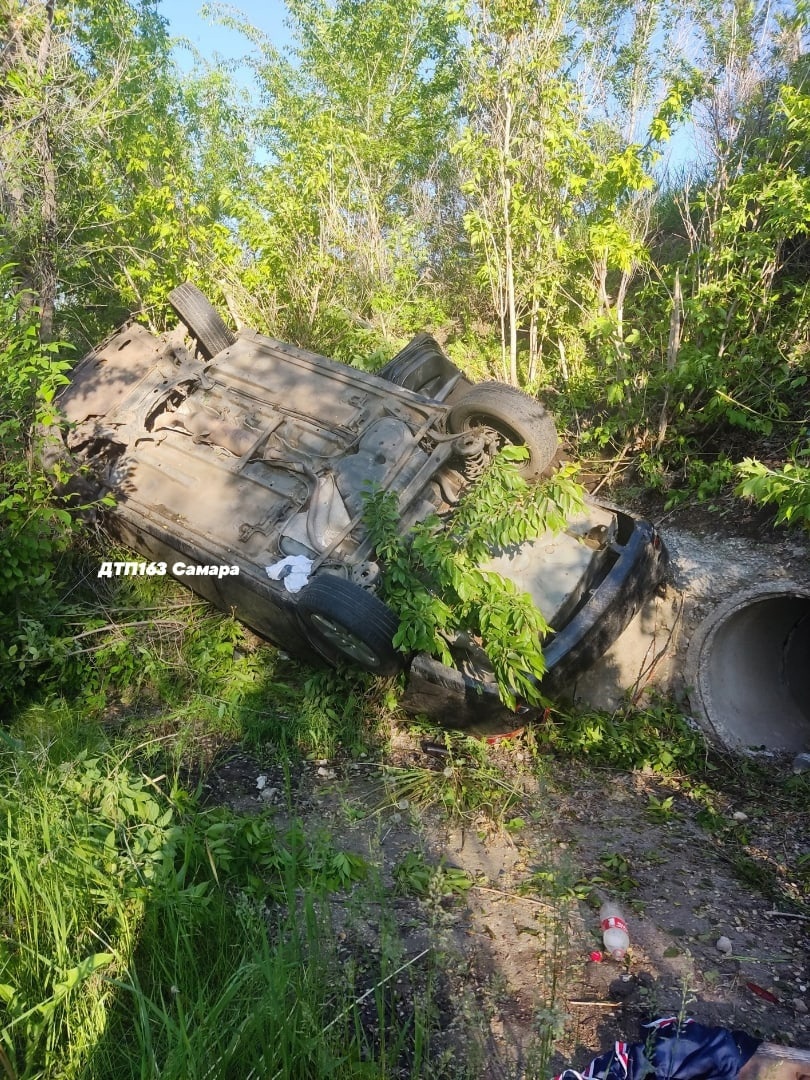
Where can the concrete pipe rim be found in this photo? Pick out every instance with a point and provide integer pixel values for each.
(745, 687)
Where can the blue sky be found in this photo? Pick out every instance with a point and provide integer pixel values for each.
(186, 21)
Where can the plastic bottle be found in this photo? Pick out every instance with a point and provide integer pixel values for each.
(614, 930)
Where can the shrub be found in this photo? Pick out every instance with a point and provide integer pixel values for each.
(34, 530)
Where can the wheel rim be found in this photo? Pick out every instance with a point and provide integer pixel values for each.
(344, 641)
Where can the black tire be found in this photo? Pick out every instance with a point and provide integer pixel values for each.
(517, 418)
(345, 623)
(421, 366)
(202, 319)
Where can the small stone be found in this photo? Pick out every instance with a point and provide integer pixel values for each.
(799, 1005)
(724, 945)
(269, 794)
(739, 816)
(260, 782)
(623, 988)
(801, 763)
(326, 774)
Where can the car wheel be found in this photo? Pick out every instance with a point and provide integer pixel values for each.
(202, 319)
(344, 622)
(514, 416)
(421, 366)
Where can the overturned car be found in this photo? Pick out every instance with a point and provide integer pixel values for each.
(240, 452)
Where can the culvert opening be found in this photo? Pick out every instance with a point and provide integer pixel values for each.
(750, 669)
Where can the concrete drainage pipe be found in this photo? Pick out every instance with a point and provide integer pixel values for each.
(748, 669)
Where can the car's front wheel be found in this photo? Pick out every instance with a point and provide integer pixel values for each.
(344, 622)
(515, 417)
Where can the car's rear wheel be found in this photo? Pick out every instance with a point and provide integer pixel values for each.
(421, 366)
(202, 319)
(344, 622)
(514, 417)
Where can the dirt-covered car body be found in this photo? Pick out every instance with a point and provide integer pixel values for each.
(253, 456)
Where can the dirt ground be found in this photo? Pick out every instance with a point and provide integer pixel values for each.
(520, 996)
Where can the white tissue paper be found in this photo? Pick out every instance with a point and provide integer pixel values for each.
(293, 570)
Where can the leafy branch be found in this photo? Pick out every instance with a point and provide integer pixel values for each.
(433, 577)
(788, 488)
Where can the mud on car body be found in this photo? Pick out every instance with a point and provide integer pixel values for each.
(240, 450)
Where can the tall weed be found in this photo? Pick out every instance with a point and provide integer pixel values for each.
(143, 937)
(82, 837)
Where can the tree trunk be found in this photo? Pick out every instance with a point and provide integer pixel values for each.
(509, 255)
(534, 347)
(673, 346)
(46, 268)
(32, 214)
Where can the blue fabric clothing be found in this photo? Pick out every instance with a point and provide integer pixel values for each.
(669, 1052)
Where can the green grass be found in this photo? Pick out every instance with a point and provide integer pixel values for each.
(299, 710)
(656, 738)
(165, 664)
(248, 992)
(81, 840)
(464, 779)
(141, 936)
